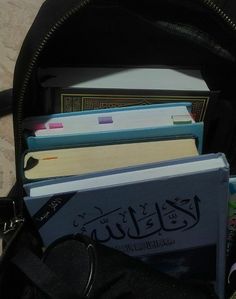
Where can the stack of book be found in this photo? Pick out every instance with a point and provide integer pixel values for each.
(133, 177)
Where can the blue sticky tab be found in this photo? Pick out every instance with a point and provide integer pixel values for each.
(105, 120)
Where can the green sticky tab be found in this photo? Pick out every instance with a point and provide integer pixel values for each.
(182, 119)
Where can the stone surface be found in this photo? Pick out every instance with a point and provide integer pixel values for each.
(7, 165)
(16, 16)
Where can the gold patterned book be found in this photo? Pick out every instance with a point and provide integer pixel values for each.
(78, 89)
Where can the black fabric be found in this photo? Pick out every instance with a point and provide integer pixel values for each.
(96, 271)
(8, 206)
(12, 281)
(6, 212)
(5, 102)
(220, 118)
(114, 275)
(42, 277)
(124, 37)
(229, 7)
(73, 263)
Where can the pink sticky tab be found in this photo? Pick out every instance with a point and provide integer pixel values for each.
(39, 127)
(55, 125)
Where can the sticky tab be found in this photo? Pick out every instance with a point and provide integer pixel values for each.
(55, 125)
(49, 158)
(105, 120)
(182, 119)
(38, 127)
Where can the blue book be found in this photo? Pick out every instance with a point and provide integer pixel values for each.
(144, 211)
(231, 243)
(111, 125)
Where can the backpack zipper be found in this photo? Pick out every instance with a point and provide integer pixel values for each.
(208, 3)
(14, 223)
(56, 26)
(212, 5)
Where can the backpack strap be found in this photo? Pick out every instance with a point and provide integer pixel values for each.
(42, 277)
(5, 102)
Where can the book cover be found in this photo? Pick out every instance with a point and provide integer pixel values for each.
(231, 238)
(109, 125)
(70, 100)
(182, 206)
(231, 243)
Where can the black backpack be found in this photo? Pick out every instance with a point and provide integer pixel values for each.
(199, 34)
